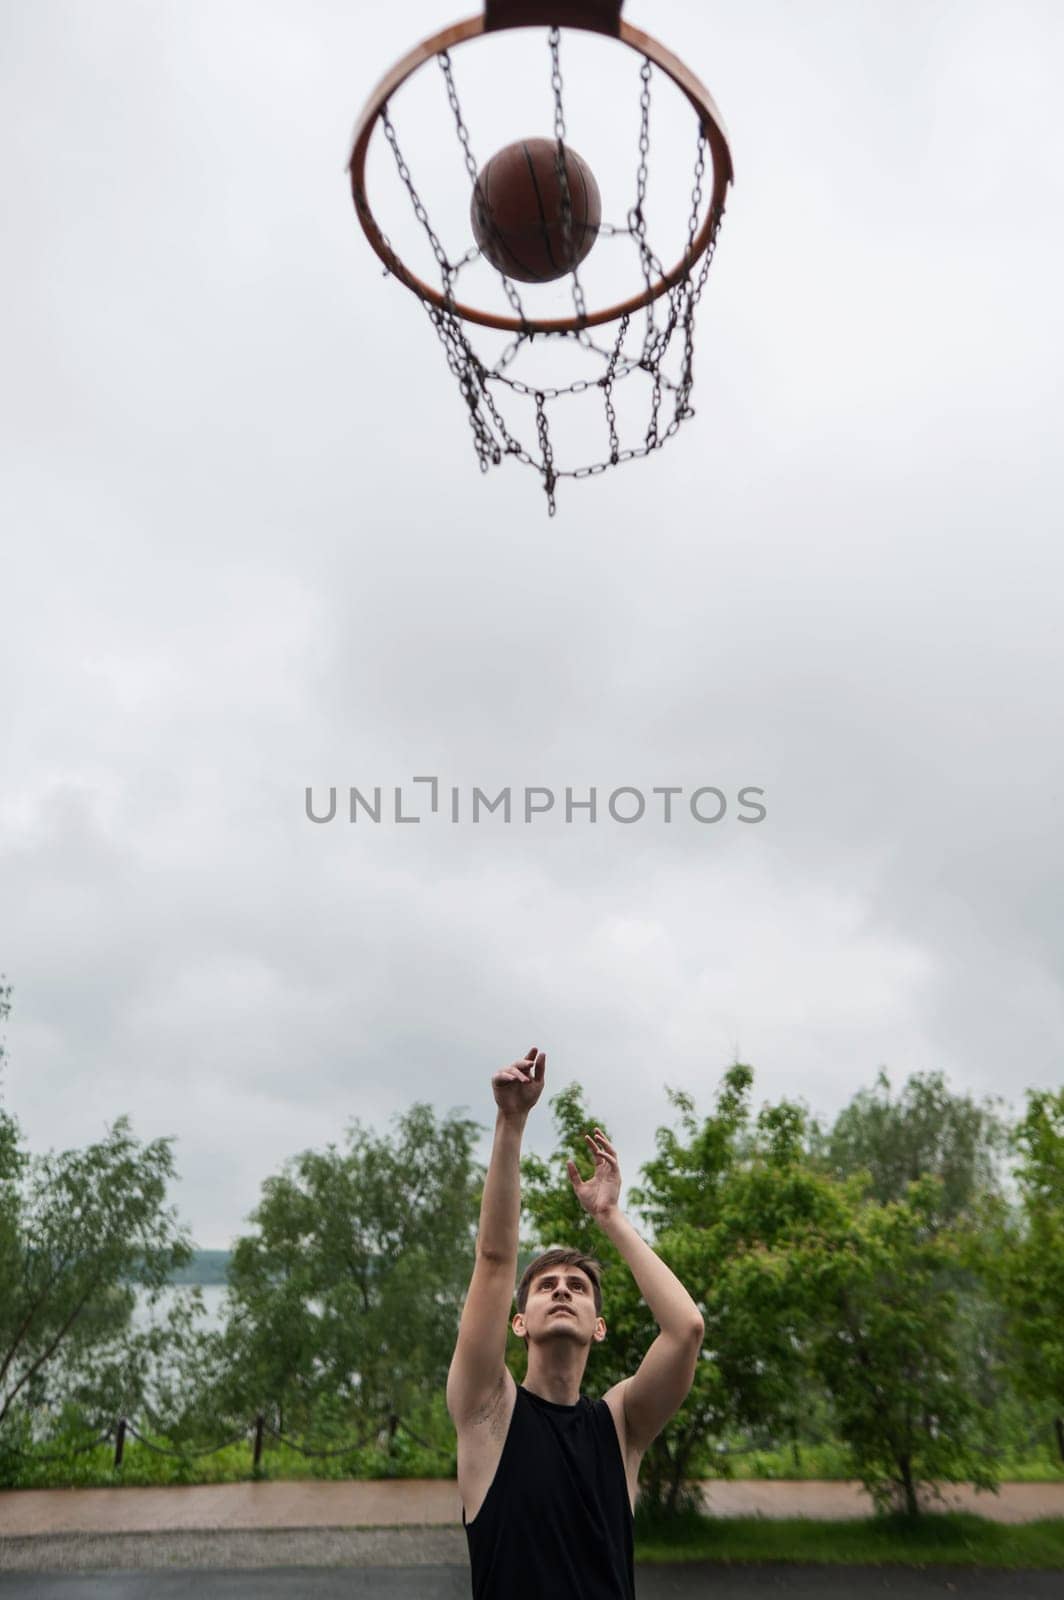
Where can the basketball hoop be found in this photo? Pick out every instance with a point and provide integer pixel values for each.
(562, 236)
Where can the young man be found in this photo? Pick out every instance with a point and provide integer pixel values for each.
(548, 1477)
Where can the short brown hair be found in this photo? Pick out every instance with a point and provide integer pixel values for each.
(559, 1256)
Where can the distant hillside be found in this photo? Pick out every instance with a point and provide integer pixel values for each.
(206, 1266)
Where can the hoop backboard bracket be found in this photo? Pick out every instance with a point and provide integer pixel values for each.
(595, 16)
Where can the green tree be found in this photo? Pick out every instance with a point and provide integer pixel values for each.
(344, 1302)
(724, 1200)
(926, 1131)
(12, 1161)
(801, 1277)
(12, 1165)
(889, 1344)
(79, 1231)
(1030, 1259)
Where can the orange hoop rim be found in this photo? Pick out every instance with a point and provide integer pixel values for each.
(681, 75)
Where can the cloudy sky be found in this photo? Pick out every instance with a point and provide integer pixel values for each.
(247, 550)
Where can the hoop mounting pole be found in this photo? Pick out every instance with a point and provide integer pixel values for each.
(596, 16)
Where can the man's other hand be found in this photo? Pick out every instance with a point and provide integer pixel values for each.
(600, 1193)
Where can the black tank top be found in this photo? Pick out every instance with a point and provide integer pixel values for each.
(556, 1523)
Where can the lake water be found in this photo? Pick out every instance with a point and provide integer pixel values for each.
(213, 1305)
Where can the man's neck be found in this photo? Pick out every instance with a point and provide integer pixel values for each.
(557, 1379)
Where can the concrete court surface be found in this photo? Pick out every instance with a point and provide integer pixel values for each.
(452, 1583)
(284, 1541)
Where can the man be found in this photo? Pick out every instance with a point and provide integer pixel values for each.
(548, 1477)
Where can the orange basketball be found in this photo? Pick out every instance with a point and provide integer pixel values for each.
(517, 211)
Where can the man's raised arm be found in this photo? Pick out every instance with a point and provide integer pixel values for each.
(478, 1364)
(661, 1384)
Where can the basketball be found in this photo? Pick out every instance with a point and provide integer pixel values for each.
(517, 211)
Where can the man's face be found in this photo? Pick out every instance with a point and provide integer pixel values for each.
(560, 1305)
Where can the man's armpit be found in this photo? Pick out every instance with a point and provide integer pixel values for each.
(489, 1415)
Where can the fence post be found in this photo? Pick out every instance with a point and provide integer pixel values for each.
(120, 1439)
(1059, 1421)
(258, 1439)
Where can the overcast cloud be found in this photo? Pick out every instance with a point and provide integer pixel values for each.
(247, 549)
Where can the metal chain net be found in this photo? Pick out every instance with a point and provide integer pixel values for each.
(492, 436)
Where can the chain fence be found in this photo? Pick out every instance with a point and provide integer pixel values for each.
(124, 1429)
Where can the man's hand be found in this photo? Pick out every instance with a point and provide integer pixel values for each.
(517, 1088)
(600, 1193)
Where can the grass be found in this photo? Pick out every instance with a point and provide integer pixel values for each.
(407, 1459)
(233, 1464)
(954, 1539)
